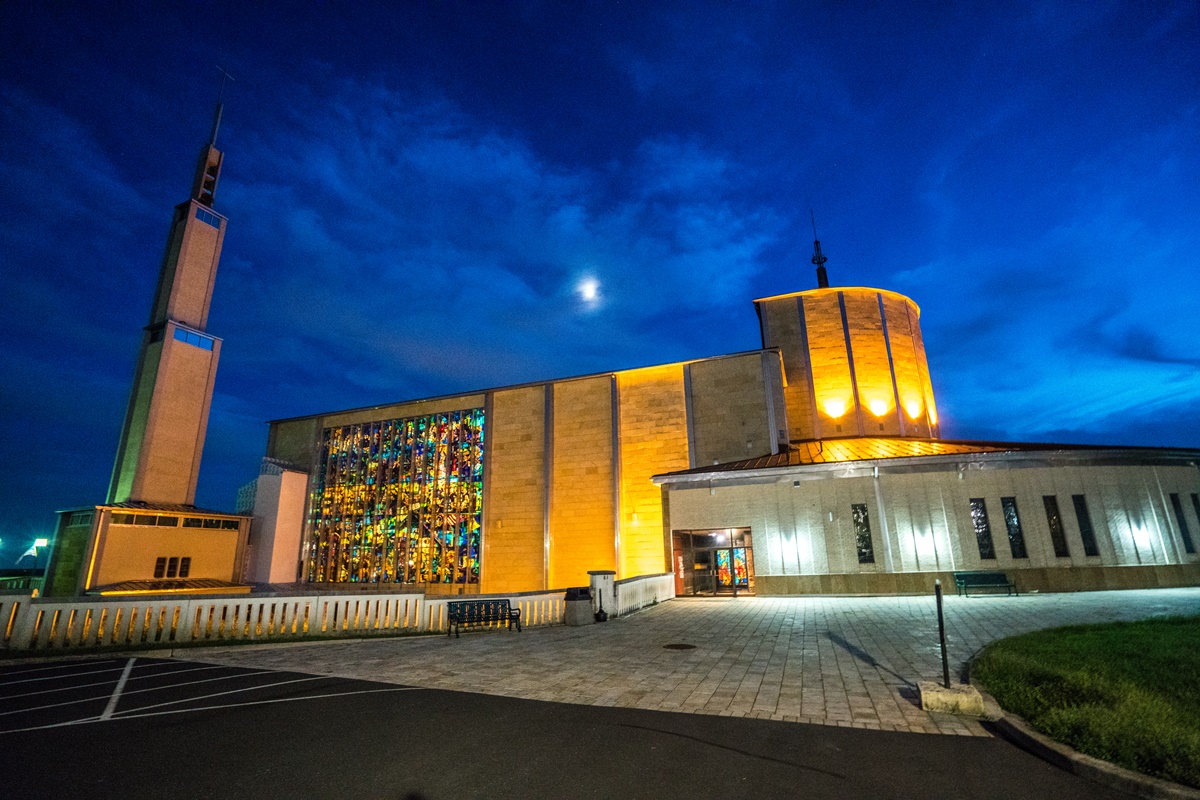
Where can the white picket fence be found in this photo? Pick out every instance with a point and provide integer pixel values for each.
(27, 624)
(642, 591)
(91, 622)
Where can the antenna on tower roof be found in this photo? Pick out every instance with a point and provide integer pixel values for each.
(818, 257)
(212, 139)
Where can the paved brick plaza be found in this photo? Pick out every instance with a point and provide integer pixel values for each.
(828, 660)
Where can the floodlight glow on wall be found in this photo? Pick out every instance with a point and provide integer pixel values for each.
(835, 408)
(1141, 537)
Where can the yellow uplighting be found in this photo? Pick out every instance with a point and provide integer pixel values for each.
(878, 407)
(913, 407)
(835, 408)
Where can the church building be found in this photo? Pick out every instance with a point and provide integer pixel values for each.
(814, 464)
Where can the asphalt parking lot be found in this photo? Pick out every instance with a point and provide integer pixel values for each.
(144, 727)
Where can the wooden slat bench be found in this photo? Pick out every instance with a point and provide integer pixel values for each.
(965, 581)
(461, 613)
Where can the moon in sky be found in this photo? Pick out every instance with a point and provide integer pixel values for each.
(589, 290)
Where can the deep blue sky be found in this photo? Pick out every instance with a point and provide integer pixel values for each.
(416, 193)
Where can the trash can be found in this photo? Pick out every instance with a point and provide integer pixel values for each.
(578, 606)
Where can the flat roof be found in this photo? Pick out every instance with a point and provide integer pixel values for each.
(865, 449)
(831, 289)
(169, 508)
(524, 385)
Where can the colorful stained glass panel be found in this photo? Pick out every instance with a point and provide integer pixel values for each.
(399, 501)
(724, 571)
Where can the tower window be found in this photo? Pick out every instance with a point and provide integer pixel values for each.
(172, 566)
(208, 218)
(195, 339)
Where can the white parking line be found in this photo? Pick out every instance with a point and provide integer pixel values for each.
(121, 714)
(131, 715)
(117, 692)
(60, 677)
(116, 695)
(105, 683)
(62, 666)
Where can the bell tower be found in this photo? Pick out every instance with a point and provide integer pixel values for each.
(158, 458)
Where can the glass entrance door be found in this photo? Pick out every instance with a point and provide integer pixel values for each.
(733, 573)
(714, 562)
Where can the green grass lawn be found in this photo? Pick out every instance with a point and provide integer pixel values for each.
(1126, 692)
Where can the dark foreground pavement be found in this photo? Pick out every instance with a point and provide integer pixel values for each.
(186, 730)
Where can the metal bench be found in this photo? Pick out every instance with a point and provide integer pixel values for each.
(461, 613)
(965, 581)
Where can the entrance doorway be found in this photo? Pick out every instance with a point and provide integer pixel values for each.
(713, 562)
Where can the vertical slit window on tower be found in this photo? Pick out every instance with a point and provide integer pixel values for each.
(1085, 525)
(983, 530)
(1058, 536)
(1012, 521)
(1183, 526)
(160, 566)
(185, 566)
(862, 534)
(172, 566)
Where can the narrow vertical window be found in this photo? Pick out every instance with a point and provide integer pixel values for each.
(1196, 505)
(1085, 525)
(1058, 536)
(1183, 526)
(983, 531)
(160, 566)
(1012, 521)
(185, 566)
(862, 534)
(172, 567)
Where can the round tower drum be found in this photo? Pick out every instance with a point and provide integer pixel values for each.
(854, 363)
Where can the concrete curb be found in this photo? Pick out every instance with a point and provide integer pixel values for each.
(1020, 733)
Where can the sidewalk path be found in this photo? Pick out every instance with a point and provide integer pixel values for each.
(846, 661)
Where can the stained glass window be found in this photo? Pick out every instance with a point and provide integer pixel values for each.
(862, 533)
(983, 530)
(399, 501)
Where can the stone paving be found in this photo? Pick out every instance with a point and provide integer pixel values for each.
(844, 661)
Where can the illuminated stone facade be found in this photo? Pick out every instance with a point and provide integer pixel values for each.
(855, 363)
(812, 465)
(566, 471)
